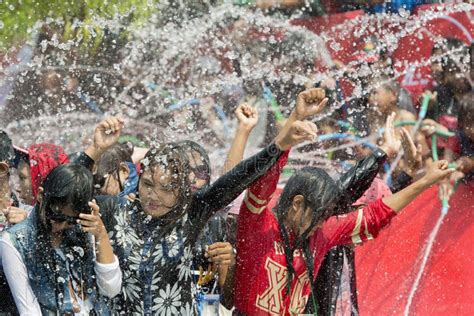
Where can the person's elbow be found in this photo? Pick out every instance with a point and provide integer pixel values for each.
(109, 278)
(111, 289)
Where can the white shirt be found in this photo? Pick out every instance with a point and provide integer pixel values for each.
(109, 280)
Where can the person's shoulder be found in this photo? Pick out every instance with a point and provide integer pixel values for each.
(22, 234)
(22, 227)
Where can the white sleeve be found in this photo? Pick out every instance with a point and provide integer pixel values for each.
(17, 276)
(109, 278)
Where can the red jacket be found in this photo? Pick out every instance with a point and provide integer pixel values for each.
(261, 271)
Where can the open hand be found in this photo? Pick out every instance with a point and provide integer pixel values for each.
(247, 116)
(310, 102)
(412, 154)
(298, 132)
(391, 143)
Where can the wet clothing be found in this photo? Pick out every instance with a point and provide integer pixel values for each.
(260, 248)
(335, 286)
(38, 288)
(156, 256)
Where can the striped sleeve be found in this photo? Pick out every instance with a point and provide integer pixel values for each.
(260, 192)
(358, 226)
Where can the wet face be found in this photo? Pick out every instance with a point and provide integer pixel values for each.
(110, 185)
(157, 191)
(199, 174)
(382, 99)
(26, 190)
(300, 217)
(457, 81)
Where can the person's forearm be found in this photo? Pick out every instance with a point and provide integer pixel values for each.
(104, 251)
(230, 185)
(237, 149)
(94, 153)
(404, 197)
(222, 270)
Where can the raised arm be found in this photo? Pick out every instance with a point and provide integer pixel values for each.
(106, 134)
(248, 118)
(436, 172)
(358, 179)
(109, 275)
(229, 186)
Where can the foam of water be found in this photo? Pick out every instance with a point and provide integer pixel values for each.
(163, 61)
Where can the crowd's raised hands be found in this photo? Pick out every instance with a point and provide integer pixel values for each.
(310, 102)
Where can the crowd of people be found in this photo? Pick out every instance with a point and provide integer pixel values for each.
(122, 230)
(119, 229)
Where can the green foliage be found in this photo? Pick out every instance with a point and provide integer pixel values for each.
(71, 19)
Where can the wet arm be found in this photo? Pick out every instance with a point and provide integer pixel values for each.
(358, 179)
(229, 186)
(237, 149)
(402, 198)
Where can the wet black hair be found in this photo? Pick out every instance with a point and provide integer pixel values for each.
(6, 148)
(456, 53)
(172, 157)
(66, 185)
(193, 147)
(320, 194)
(110, 161)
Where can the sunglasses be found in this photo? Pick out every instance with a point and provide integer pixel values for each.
(201, 172)
(58, 217)
(61, 218)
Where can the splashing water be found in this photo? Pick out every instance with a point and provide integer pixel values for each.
(181, 77)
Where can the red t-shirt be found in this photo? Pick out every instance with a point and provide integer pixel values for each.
(261, 271)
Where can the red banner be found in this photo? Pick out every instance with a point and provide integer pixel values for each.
(386, 268)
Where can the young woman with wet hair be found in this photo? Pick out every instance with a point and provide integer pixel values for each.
(281, 251)
(214, 256)
(60, 260)
(115, 173)
(155, 234)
